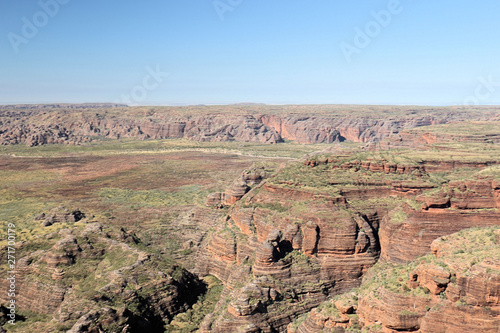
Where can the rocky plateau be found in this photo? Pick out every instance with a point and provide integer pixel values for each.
(78, 124)
(400, 234)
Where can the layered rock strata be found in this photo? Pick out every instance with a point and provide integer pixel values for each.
(94, 278)
(76, 124)
(456, 289)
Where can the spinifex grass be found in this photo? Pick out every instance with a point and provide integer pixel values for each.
(134, 146)
(145, 185)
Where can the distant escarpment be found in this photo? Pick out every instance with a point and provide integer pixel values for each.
(75, 124)
(480, 132)
(95, 278)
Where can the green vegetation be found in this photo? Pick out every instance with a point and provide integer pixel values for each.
(406, 312)
(299, 320)
(14, 208)
(28, 321)
(372, 328)
(182, 196)
(489, 172)
(165, 146)
(328, 308)
(397, 216)
(326, 178)
(275, 206)
(300, 260)
(458, 152)
(298, 175)
(190, 320)
(389, 203)
(393, 277)
(470, 248)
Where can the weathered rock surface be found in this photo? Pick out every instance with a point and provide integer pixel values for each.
(462, 205)
(443, 209)
(454, 290)
(477, 132)
(276, 265)
(60, 215)
(74, 124)
(313, 230)
(93, 278)
(248, 179)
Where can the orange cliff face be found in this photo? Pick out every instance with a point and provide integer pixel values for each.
(277, 265)
(463, 204)
(39, 125)
(286, 246)
(455, 289)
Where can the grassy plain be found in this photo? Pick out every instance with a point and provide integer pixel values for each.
(143, 185)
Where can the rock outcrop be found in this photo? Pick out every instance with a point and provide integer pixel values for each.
(60, 215)
(456, 289)
(463, 204)
(313, 230)
(75, 124)
(277, 264)
(249, 178)
(94, 278)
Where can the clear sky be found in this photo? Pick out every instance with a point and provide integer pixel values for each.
(424, 52)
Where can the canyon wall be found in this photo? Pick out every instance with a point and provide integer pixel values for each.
(74, 124)
(295, 241)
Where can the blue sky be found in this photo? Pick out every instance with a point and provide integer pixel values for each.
(229, 51)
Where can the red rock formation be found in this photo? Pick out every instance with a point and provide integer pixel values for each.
(456, 289)
(248, 179)
(76, 271)
(445, 212)
(74, 124)
(325, 251)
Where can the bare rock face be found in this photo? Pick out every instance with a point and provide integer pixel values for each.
(456, 289)
(59, 215)
(253, 298)
(311, 237)
(216, 199)
(106, 317)
(443, 212)
(236, 192)
(75, 124)
(63, 252)
(248, 179)
(411, 138)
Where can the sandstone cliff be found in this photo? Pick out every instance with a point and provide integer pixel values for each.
(455, 289)
(313, 230)
(74, 124)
